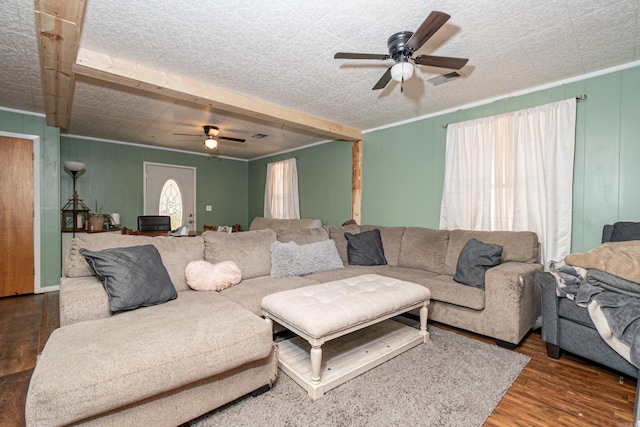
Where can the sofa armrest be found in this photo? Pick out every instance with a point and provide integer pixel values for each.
(503, 280)
(550, 317)
(512, 300)
(81, 299)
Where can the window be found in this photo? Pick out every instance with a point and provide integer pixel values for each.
(171, 202)
(514, 172)
(281, 190)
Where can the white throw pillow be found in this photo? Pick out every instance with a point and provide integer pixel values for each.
(204, 276)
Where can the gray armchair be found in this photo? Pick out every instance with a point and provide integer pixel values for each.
(566, 326)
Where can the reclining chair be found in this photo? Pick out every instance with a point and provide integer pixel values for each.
(567, 326)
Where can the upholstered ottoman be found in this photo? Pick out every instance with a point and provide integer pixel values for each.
(330, 311)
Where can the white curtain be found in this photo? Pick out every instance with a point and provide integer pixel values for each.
(281, 190)
(513, 171)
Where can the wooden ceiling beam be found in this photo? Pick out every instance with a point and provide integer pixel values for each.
(115, 70)
(58, 24)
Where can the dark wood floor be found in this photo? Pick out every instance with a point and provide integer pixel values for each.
(548, 392)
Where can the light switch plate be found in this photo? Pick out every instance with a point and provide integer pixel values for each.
(208, 208)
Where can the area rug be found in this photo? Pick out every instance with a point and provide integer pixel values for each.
(450, 381)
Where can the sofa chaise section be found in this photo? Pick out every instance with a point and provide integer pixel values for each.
(112, 371)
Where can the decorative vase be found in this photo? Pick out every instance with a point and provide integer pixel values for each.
(96, 222)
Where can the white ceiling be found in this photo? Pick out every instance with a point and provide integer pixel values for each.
(281, 52)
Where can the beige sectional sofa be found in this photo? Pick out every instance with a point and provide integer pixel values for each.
(169, 363)
(262, 223)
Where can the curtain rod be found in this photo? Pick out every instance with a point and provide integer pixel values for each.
(294, 157)
(578, 99)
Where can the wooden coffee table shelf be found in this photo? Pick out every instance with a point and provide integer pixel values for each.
(348, 356)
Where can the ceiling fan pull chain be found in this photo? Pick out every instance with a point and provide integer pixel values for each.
(402, 85)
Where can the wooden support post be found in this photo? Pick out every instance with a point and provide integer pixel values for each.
(356, 181)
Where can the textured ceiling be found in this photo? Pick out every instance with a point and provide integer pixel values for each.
(281, 52)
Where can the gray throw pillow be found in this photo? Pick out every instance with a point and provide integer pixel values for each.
(474, 261)
(291, 259)
(132, 277)
(625, 231)
(365, 248)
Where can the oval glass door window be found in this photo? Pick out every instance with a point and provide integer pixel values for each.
(171, 202)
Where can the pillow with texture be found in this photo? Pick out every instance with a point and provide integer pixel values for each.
(291, 259)
(365, 248)
(474, 261)
(625, 231)
(204, 276)
(132, 277)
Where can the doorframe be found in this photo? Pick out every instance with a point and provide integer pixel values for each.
(37, 276)
(144, 184)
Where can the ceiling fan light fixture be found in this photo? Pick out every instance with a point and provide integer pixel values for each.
(401, 71)
(211, 143)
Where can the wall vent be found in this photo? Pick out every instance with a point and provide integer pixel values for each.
(438, 80)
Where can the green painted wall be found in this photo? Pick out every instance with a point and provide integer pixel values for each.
(324, 182)
(403, 166)
(114, 176)
(49, 188)
(403, 169)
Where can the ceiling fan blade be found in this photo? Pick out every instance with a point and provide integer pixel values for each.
(187, 134)
(226, 138)
(441, 61)
(384, 80)
(346, 55)
(434, 21)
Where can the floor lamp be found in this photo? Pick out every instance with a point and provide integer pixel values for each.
(75, 168)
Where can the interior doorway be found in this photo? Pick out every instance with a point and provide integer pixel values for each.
(171, 190)
(17, 246)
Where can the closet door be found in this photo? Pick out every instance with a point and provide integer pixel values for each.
(17, 212)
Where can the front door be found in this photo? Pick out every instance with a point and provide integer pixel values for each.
(170, 190)
(16, 204)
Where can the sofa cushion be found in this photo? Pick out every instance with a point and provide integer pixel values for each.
(192, 338)
(445, 289)
(133, 277)
(391, 241)
(302, 237)
(568, 309)
(250, 292)
(344, 273)
(336, 234)
(262, 223)
(291, 259)
(250, 250)
(519, 246)
(474, 261)
(176, 252)
(204, 276)
(424, 248)
(365, 248)
(625, 231)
